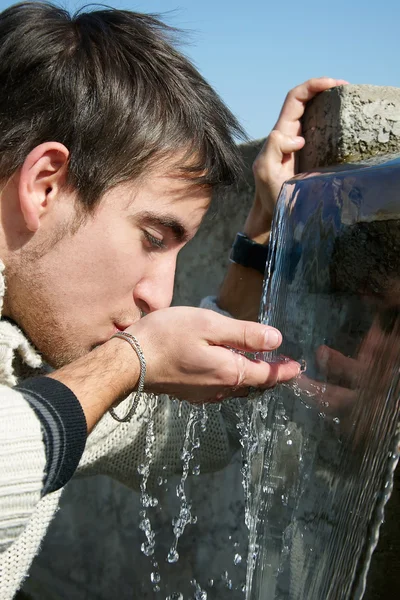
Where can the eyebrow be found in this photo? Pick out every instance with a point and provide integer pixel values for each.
(167, 221)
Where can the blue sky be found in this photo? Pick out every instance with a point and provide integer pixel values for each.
(254, 51)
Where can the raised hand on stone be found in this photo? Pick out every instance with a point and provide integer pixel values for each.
(275, 163)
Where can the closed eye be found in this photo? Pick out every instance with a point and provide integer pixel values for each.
(155, 243)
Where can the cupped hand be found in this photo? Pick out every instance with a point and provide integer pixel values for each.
(275, 163)
(190, 354)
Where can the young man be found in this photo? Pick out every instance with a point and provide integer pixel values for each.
(111, 144)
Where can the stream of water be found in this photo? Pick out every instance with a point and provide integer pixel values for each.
(321, 450)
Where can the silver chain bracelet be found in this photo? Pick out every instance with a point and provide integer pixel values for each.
(128, 337)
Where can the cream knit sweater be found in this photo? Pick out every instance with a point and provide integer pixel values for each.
(113, 448)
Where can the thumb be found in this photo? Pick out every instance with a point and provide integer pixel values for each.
(245, 335)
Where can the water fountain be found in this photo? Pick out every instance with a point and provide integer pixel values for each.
(321, 451)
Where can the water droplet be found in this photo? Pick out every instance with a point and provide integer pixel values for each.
(237, 559)
(210, 582)
(289, 442)
(156, 588)
(173, 556)
(196, 470)
(336, 420)
(155, 577)
(226, 580)
(147, 549)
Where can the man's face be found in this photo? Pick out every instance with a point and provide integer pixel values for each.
(99, 278)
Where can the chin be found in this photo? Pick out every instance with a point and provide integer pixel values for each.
(63, 356)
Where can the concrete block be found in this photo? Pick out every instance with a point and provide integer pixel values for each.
(349, 124)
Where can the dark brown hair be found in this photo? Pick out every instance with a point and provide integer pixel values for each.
(113, 88)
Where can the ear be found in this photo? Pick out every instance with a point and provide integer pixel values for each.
(41, 177)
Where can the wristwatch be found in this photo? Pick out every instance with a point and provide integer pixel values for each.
(247, 253)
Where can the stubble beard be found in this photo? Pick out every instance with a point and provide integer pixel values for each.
(30, 305)
(33, 314)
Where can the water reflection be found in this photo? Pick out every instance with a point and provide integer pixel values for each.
(324, 446)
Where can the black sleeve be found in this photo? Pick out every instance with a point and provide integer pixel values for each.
(63, 424)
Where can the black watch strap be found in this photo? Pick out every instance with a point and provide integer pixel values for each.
(247, 253)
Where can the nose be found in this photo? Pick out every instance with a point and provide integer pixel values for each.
(155, 289)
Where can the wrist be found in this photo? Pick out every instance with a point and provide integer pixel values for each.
(258, 223)
(249, 254)
(101, 378)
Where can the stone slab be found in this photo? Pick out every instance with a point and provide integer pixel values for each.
(349, 124)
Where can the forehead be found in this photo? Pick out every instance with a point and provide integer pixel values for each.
(163, 193)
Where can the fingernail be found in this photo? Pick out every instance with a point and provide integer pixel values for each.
(272, 338)
(297, 140)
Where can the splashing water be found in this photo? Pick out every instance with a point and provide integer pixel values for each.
(146, 500)
(197, 420)
(199, 594)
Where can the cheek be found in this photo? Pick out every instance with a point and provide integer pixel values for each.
(114, 266)
(94, 269)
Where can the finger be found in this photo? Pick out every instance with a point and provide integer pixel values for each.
(244, 335)
(335, 366)
(296, 100)
(261, 374)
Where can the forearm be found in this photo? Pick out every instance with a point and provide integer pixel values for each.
(70, 401)
(240, 292)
